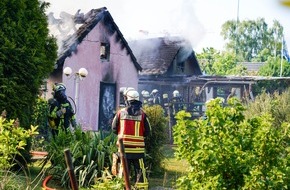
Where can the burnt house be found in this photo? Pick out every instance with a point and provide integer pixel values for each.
(166, 63)
(98, 46)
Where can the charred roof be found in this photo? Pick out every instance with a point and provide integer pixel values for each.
(91, 19)
(156, 55)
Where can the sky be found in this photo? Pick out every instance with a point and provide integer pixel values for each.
(199, 21)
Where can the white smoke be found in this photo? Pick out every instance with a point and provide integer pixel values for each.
(198, 20)
(141, 19)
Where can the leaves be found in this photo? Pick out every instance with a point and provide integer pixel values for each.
(158, 137)
(13, 139)
(249, 38)
(228, 151)
(91, 152)
(27, 56)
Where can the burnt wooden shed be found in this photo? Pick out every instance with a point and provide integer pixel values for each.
(166, 63)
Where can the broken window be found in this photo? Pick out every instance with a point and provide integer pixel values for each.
(105, 51)
(180, 68)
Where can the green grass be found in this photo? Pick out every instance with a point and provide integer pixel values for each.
(173, 169)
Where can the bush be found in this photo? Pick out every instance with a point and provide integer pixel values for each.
(276, 104)
(91, 154)
(157, 138)
(39, 118)
(13, 140)
(226, 151)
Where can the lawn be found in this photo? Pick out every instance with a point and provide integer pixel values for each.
(173, 169)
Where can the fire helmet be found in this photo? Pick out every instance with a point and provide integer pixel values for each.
(126, 90)
(175, 93)
(145, 94)
(59, 92)
(132, 95)
(59, 87)
(154, 91)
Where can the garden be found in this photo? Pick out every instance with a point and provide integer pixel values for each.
(235, 146)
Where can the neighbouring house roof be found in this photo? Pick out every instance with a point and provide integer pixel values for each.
(252, 66)
(156, 55)
(92, 18)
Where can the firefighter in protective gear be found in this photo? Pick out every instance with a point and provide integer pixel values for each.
(145, 96)
(131, 124)
(124, 92)
(61, 113)
(156, 97)
(176, 102)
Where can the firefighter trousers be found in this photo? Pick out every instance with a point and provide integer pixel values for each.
(140, 176)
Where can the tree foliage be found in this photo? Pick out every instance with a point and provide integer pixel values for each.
(214, 62)
(246, 41)
(27, 56)
(250, 39)
(227, 151)
(272, 67)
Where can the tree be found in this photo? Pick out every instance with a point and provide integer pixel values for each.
(272, 67)
(207, 59)
(247, 39)
(27, 56)
(214, 62)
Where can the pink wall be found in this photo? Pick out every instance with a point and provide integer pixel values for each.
(119, 69)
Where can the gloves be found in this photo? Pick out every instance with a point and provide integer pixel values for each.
(60, 112)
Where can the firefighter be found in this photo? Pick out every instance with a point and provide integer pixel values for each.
(145, 97)
(150, 101)
(166, 104)
(156, 97)
(125, 91)
(131, 124)
(61, 114)
(176, 102)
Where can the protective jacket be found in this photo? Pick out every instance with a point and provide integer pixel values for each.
(57, 120)
(133, 133)
(131, 124)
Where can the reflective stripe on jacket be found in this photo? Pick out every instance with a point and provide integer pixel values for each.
(131, 130)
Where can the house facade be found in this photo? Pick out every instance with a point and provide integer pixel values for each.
(99, 48)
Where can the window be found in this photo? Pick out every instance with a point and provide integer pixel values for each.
(180, 68)
(105, 51)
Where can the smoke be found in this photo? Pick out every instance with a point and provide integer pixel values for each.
(63, 26)
(138, 19)
(147, 19)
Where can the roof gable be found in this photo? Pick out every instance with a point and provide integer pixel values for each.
(92, 18)
(156, 55)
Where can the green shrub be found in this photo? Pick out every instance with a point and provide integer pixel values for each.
(276, 104)
(39, 118)
(13, 139)
(270, 86)
(91, 154)
(226, 151)
(157, 138)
